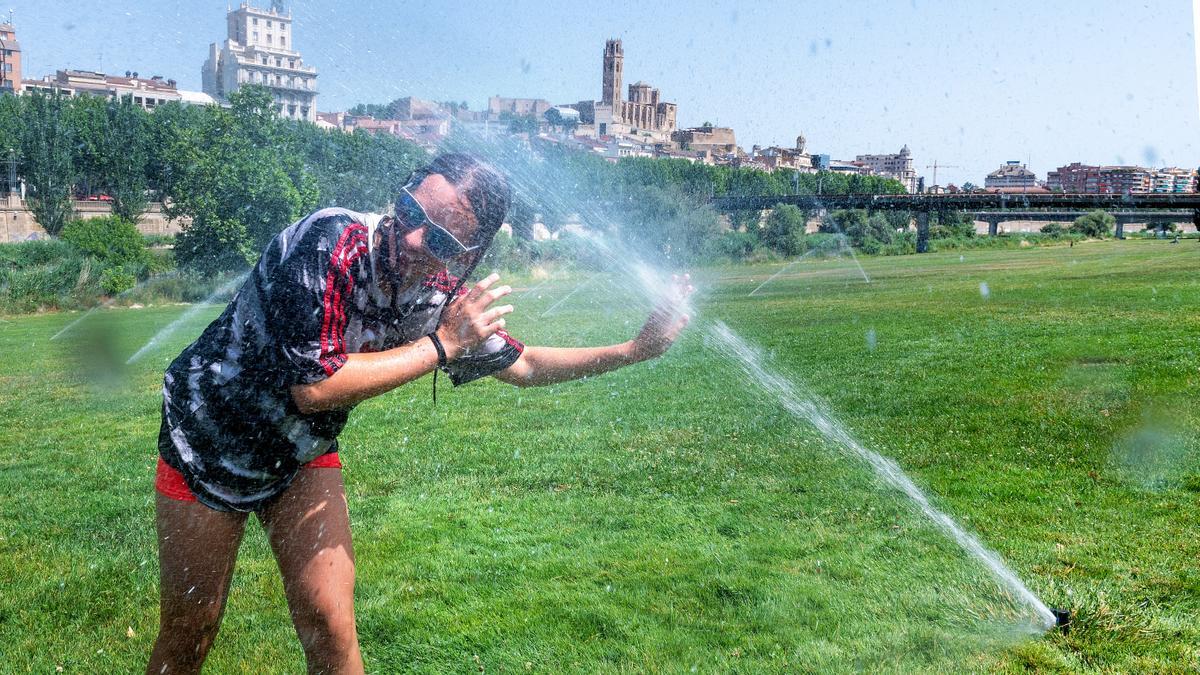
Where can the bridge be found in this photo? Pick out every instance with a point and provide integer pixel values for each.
(992, 208)
(1150, 218)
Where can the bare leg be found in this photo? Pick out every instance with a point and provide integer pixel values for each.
(309, 530)
(197, 547)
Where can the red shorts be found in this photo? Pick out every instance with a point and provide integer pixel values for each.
(170, 483)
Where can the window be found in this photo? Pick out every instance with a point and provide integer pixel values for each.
(282, 41)
(268, 23)
(256, 36)
(268, 38)
(137, 100)
(291, 63)
(278, 62)
(255, 20)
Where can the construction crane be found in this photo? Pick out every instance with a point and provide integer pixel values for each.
(935, 166)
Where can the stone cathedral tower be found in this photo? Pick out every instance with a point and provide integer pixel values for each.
(614, 56)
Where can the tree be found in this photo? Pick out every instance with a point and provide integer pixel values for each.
(523, 124)
(46, 161)
(87, 117)
(556, 119)
(125, 159)
(358, 171)
(784, 230)
(1094, 224)
(240, 179)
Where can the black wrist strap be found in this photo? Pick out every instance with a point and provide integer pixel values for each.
(441, 351)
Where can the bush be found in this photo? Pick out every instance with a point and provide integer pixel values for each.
(1054, 230)
(736, 246)
(825, 244)
(904, 243)
(784, 230)
(31, 253)
(110, 239)
(116, 280)
(40, 275)
(1097, 224)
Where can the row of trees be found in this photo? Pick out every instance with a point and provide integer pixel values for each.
(658, 203)
(239, 173)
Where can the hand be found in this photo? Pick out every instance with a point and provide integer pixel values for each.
(666, 322)
(468, 321)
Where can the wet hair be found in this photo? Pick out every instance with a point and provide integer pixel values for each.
(486, 190)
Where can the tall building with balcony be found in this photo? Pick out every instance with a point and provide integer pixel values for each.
(1123, 180)
(1074, 178)
(1173, 180)
(1086, 179)
(259, 49)
(10, 60)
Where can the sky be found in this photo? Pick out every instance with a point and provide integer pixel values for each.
(967, 84)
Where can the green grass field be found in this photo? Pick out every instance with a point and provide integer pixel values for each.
(672, 516)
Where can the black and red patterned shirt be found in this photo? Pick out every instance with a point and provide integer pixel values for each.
(230, 425)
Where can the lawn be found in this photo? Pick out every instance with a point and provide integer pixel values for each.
(674, 516)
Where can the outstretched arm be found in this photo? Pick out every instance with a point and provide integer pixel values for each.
(548, 365)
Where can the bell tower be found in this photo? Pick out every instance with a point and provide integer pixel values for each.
(614, 56)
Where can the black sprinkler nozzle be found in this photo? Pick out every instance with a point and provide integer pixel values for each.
(1062, 619)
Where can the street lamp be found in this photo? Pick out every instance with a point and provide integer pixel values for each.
(12, 171)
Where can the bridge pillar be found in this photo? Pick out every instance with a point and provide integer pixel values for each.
(922, 231)
(993, 226)
(1120, 227)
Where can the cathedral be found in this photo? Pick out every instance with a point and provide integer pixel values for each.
(643, 114)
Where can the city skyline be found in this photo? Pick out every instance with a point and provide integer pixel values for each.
(968, 87)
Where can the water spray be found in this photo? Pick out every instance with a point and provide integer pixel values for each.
(657, 289)
(192, 311)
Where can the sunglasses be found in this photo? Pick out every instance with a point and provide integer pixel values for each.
(438, 240)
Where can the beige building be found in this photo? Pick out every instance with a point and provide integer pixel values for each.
(644, 114)
(518, 107)
(1013, 174)
(898, 166)
(10, 60)
(775, 157)
(259, 49)
(715, 140)
(147, 92)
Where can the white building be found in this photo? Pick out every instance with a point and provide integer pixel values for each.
(898, 166)
(259, 50)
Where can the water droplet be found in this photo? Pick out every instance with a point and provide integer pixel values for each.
(984, 290)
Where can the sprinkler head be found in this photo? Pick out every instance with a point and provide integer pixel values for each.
(1062, 619)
